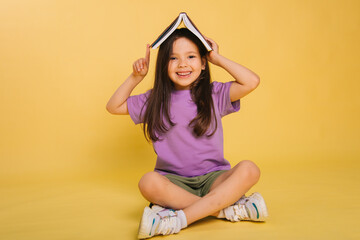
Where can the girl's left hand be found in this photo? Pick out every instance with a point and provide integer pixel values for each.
(212, 56)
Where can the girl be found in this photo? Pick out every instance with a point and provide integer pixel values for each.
(181, 115)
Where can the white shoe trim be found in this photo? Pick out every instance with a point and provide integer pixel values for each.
(148, 223)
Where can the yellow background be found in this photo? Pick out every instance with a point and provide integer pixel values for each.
(69, 169)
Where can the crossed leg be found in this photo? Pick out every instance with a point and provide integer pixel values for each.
(226, 190)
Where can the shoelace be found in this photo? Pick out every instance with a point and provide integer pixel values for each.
(240, 213)
(168, 223)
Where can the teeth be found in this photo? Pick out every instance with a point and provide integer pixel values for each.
(183, 74)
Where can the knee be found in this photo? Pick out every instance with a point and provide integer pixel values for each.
(149, 184)
(251, 170)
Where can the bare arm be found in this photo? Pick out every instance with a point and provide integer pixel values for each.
(118, 101)
(245, 80)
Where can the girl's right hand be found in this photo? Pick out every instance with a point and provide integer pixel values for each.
(141, 66)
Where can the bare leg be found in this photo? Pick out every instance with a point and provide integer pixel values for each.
(226, 190)
(159, 190)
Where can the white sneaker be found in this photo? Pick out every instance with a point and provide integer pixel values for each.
(158, 220)
(251, 208)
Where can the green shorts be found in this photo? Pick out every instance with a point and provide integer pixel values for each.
(199, 185)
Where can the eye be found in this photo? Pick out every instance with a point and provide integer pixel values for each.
(192, 56)
(172, 58)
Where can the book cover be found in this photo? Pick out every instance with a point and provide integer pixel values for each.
(183, 17)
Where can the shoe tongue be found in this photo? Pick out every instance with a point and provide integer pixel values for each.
(167, 213)
(242, 200)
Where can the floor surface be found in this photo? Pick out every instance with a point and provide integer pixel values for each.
(305, 201)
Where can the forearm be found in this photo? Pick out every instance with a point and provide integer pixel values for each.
(123, 92)
(241, 74)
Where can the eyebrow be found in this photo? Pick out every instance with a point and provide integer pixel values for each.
(188, 52)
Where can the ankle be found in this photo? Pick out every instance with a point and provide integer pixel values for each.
(220, 214)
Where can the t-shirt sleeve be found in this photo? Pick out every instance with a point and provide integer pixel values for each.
(222, 95)
(136, 106)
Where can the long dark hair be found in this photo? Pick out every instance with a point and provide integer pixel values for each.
(157, 119)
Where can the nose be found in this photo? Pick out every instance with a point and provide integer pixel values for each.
(182, 63)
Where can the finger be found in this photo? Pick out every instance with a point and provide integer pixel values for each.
(213, 43)
(141, 63)
(136, 70)
(138, 66)
(209, 40)
(214, 46)
(147, 54)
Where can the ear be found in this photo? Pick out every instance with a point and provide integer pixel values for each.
(203, 63)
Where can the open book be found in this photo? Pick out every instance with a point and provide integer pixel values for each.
(174, 25)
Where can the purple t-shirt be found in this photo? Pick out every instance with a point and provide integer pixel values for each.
(179, 151)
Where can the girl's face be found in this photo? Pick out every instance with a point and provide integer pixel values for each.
(185, 63)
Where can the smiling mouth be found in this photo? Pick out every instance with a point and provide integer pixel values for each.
(183, 74)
